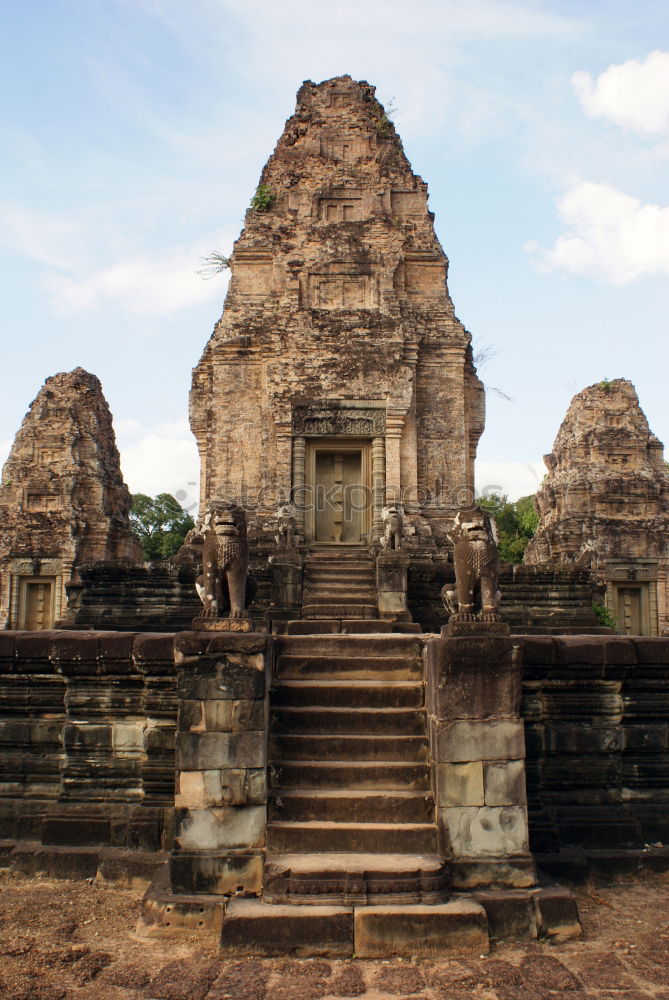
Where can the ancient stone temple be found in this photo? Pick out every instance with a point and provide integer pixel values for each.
(63, 501)
(339, 375)
(605, 502)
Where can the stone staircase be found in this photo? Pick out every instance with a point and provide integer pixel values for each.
(339, 583)
(351, 817)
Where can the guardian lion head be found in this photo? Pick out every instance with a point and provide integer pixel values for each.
(473, 525)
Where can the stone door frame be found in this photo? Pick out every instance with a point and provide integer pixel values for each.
(362, 446)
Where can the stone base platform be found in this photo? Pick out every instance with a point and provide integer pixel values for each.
(114, 865)
(465, 924)
(252, 927)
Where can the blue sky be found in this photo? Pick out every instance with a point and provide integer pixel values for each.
(134, 132)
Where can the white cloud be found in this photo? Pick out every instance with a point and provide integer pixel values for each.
(139, 280)
(154, 285)
(632, 94)
(45, 237)
(161, 459)
(612, 236)
(513, 479)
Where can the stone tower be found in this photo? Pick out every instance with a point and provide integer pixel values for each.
(63, 501)
(607, 492)
(338, 371)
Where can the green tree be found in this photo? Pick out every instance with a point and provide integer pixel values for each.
(160, 523)
(516, 524)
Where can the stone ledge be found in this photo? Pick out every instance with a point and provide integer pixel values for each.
(251, 927)
(459, 926)
(121, 867)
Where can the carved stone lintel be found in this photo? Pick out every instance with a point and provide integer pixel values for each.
(329, 419)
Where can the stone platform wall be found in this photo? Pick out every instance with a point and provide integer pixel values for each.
(88, 720)
(596, 713)
(87, 723)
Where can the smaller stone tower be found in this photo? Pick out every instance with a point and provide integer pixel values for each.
(606, 500)
(63, 501)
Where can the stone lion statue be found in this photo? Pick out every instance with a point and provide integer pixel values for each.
(225, 560)
(393, 526)
(476, 568)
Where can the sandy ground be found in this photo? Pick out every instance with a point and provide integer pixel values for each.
(76, 941)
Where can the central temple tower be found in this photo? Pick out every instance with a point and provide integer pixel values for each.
(338, 375)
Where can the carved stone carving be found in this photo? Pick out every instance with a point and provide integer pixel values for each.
(476, 569)
(393, 527)
(332, 420)
(225, 559)
(287, 536)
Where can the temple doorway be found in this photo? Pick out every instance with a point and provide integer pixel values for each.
(36, 603)
(338, 484)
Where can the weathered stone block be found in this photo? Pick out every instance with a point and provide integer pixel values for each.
(225, 678)
(573, 738)
(214, 751)
(86, 735)
(537, 650)
(651, 650)
(557, 914)
(215, 828)
(230, 787)
(254, 928)
(580, 649)
(460, 784)
(459, 926)
(153, 648)
(191, 718)
(14, 733)
(493, 873)
(504, 783)
(218, 873)
(195, 645)
(473, 678)
(486, 830)
(468, 741)
(648, 737)
(511, 914)
(128, 737)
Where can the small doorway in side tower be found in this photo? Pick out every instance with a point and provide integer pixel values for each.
(338, 477)
(36, 599)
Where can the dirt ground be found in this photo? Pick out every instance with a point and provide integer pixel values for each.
(76, 941)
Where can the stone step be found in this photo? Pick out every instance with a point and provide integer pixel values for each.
(351, 694)
(366, 646)
(349, 775)
(392, 668)
(343, 805)
(409, 749)
(358, 592)
(362, 879)
(332, 721)
(350, 626)
(328, 571)
(338, 553)
(252, 927)
(339, 610)
(384, 838)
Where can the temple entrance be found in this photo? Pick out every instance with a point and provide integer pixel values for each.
(36, 603)
(630, 610)
(338, 487)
